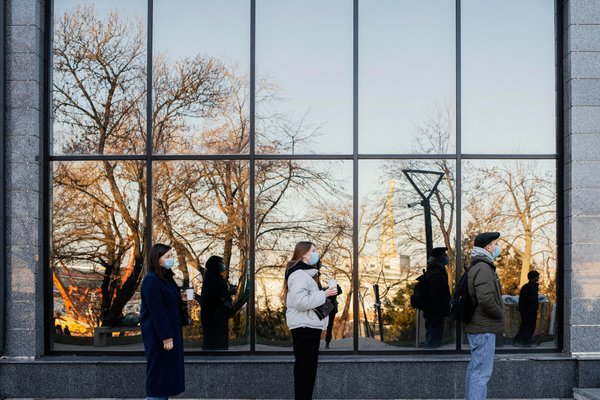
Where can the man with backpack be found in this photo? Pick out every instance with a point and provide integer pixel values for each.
(488, 316)
(438, 302)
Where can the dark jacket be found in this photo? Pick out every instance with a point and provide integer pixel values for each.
(438, 291)
(528, 298)
(333, 299)
(484, 288)
(215, 309)
(160, 319)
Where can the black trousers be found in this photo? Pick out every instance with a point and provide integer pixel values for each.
(306, 352)
(434, 331)
(526, 329)
(329, 334)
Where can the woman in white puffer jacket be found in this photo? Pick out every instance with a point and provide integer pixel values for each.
(302, 295)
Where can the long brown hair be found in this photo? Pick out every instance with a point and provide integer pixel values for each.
(299, 251)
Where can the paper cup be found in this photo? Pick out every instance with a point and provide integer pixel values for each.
(332, 283)
(189, 294)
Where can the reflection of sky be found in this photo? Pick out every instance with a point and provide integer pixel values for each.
(407, 67)
(407, 59)
(508, 76)
(127, 8)
(218, 29)
(307, 47)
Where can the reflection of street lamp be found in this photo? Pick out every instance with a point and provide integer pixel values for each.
(412, 175)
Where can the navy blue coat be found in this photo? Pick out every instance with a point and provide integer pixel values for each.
(161, 319)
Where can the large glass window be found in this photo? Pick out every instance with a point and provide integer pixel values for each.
(98, 223)
(508, 95)
(296, 201)
(407, 76)
(304, 76)
(99, 77)
(299, 120)
(519, 202)
(201, 67)
(395, 226)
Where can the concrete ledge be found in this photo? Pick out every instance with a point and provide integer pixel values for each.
(586, 394)
(242, 377)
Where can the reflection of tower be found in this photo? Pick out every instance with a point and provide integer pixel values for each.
(387, 241)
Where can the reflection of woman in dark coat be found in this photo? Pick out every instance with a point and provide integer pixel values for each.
(161, 326)
(215, 306)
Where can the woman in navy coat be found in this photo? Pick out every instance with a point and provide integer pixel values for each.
(161, 326)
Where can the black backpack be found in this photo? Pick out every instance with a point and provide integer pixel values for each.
(420, 298)
(462, 307)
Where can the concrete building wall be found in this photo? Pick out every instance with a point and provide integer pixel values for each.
(23, 373)
(582, 175)
(24, 129)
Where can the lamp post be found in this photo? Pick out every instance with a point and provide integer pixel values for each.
(425, 195)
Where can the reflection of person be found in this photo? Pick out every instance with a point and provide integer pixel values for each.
(66, 331)
(488, 319)
(528, 307)
(58, 329)
(216, 306)
(161, 326)
(438, 303)
(302, 294)
(329, 334)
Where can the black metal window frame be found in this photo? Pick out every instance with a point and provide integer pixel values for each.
(355, 157)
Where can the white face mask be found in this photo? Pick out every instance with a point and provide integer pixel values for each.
(312, 272)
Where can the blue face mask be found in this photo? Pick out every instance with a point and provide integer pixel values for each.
(496, 252)
(313, 258)
(445, 260)
(222, 267)
(169, 262)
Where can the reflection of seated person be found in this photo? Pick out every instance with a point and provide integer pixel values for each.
(216, 306)
(528, 307)
(66, 331)
(58, 329)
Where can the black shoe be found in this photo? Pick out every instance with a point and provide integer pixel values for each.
(327, 345)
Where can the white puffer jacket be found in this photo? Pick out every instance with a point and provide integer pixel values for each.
(304, 295)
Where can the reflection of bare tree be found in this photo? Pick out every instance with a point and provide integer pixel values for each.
(200, 208)
(522, 204)
(99, 83)
(98, 223)
(99, 92)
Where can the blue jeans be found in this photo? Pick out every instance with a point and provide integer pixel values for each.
(479, 371)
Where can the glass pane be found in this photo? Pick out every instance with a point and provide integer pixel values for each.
(200, 208)
(97, 248)
(392, 252)
(517, 199)
(304, 76)
(99, 77)
(200, 76)
(407, 76)
(508, 77)
(298, 201)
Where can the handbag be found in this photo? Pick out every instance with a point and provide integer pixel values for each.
(185, 315)
(324, 309)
